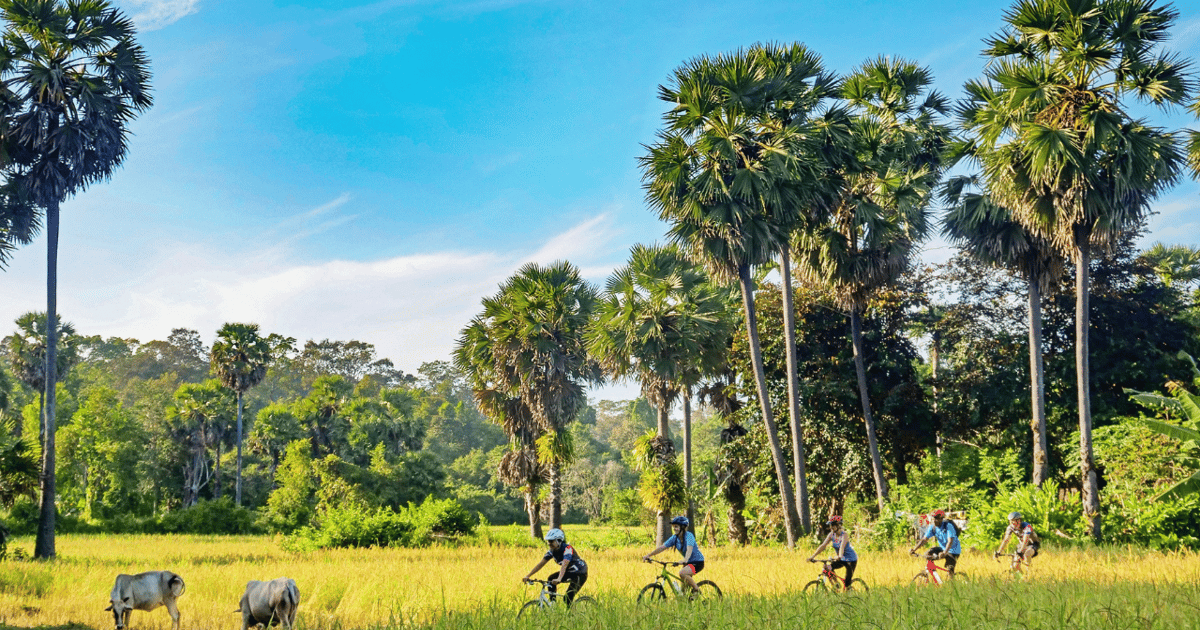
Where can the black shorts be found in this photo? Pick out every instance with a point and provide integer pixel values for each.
(696, 566)
(951, 558)
(574, 581)
(850, 566)
(1035, 546)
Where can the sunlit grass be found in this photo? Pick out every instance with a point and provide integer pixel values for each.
(468, 586)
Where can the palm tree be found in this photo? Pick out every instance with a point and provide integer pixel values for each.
(240, 358)
(881, 192)
(1173, 264)
(528, 365)
(74, 77)
(988, 232)
(713, 175)
(1060, 150)
(660, 321)
(199, 419)
(27, 357)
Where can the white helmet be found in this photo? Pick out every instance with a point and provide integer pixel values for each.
(556, 534)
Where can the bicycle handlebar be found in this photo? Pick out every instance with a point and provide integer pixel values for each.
(665, 564)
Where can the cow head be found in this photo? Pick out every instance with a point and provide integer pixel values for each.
(120, 607)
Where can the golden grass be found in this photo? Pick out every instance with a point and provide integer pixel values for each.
(356, 588)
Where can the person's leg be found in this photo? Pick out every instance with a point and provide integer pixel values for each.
(574, 583)
(850, 572)
(838, 564)
(553, 587)
(686, 574)
(951, 563)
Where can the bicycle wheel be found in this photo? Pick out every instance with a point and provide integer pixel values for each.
(960, 576)
(816, 586)
(584, 603)
(857, 584)
(708, 591)
(652, 593)
(528, 607)
(920, 579)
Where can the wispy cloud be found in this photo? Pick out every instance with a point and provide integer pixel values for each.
(151, 15)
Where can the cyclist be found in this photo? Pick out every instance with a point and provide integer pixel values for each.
(571, 568)
(840, 539)
(946, 533)
(1029, 542)
(684, 542)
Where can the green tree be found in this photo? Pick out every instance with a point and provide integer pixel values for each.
(18, 467)
(1187, 406)
(75, 77)
(100, 453)
(1058, 147)
(880, 207)
(713, 175)
(662, 322)
(200, 419)
(26, 350)
(275, 427)
(240, 358)
(527, 363)
(988, 232)
(1174, 263)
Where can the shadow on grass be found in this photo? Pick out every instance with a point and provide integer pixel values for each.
(68, 626)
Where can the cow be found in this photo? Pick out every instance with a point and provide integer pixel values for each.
(145, 591)
(269, 603)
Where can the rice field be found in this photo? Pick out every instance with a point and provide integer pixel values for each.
(463, 587)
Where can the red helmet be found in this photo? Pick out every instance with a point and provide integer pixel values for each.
(834, 519)
(938, 513)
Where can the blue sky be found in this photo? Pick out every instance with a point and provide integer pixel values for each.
(370, 170)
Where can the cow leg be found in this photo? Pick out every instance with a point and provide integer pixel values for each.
(173, 610)
(125, 617)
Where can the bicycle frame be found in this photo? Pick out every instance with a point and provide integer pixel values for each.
(547, 597)
(666, 576)
(829, 576)
(932, 570)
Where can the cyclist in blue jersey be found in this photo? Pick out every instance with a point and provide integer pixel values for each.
(840, 539)
(946, 533)
(684, 542)
(571, 568)
(1028, 540)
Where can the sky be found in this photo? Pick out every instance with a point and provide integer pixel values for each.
(372, 170)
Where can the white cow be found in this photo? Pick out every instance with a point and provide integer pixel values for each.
(145, 591)
(269, 603)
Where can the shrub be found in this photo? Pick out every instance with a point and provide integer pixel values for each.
(220, 516)
(358, 526)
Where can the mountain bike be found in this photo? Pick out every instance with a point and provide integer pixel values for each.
(1016, 560)
(830, 581)
(930, 574)
(549, 597)
(656, 591)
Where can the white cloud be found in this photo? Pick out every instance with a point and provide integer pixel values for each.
(151, 15)
(411, 307)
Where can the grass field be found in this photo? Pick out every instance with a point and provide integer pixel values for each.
(479, 586)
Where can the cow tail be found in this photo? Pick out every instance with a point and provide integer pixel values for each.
(177, 590)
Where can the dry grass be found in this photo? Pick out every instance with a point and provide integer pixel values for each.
(357, 588)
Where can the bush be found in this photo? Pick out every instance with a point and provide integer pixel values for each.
(357, 526)
(1167, 525)
(437, 518)
(220, 516)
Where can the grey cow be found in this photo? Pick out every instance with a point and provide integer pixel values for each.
(270, 603)
(145, 591)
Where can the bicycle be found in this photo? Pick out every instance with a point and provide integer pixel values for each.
(930, 574)
(548, 598)
(828, 577)
(655, 591)
(1016, 559)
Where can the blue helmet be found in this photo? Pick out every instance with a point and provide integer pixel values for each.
(681, 521)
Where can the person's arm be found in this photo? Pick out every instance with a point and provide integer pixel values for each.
(820, 547)
(687, 554)
(561, 571)
(953, 539)
(920, 543)
(1004, 543)
(535, 569)
(661, 549)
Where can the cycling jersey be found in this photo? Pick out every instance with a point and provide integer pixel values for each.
(943, 534)
(575, 564)
(1024, 530)
(689, 540)
(835, 541)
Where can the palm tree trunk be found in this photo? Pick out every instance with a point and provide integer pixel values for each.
(662, 519)
(44, 545)
(760, 380)
(237, 493)
(1091, 481)
(881, 489)
(533, 508)
(789, 333)
(687, 452)
(555, 494)
(1037, 386)
(217, 473)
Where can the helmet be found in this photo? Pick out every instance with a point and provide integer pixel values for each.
(835, 519)
(681, 521)
(1014, 516)
(556, 534)
(937, 513)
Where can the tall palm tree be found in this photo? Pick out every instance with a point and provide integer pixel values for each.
(526, 358)
(662, 322)
(74, 77)
(989, 233)
(27, 357)
(1173, 264)
(1059, 148)
(240, 358)
(713, 175)
(881, 192)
